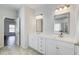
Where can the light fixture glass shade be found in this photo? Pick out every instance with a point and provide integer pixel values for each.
(60, 9)
(65, 7)
(39, 17)
(56, 10)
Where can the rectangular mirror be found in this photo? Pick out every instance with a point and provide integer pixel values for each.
(62, 23)
(39, 25)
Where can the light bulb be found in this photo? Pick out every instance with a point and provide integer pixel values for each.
(39, 17)
(65, 7)
(60, 9)
(56, 10)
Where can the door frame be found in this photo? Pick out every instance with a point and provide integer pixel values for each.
(4, 28)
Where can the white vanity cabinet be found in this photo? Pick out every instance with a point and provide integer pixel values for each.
(37, 43)
(54, 47)
(49, 46)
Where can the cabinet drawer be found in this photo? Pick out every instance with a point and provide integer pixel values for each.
(59, 47)
(63, 50)
(66, 44)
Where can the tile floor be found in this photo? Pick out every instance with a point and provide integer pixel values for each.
(9, 40)
(12, 49)
(17, 51)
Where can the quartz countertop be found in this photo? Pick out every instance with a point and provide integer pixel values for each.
(57, 37)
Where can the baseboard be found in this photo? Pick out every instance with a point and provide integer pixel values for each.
(36, 50)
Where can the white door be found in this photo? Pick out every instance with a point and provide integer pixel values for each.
(50, 47)
(1, 32)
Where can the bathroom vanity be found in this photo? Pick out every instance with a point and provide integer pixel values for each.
(53, 45)
(62, 41)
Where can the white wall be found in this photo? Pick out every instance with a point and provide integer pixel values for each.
(48, 17)
(76, 26)
(22, 18)
(1, 32)
(17, 31)
(48, 21)
(25, 15)
(9, 13)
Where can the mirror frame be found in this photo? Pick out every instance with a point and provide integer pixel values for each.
(61, 16)
(39, 25)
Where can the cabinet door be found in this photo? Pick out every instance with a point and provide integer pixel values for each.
(35, 43)
(31, 41)
(65, 48)
(77, 50)
(41, 45)
(50, 47)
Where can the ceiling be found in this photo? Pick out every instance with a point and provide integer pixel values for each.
(11, 6)
(33, 6)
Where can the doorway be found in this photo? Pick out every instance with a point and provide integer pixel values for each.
(9, 32)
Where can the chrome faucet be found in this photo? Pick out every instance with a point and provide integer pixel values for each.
(61, 34)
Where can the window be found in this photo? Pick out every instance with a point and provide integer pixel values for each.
(11, 28)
